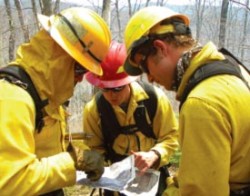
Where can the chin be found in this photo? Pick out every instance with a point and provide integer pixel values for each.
(162, 84)
(115, 103)
(167, 87)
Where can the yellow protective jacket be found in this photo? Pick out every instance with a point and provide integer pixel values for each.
(214, 133)
(35, 163)
(164, 126)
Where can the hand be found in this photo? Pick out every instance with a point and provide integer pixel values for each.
(89, 161)
(94, 164)
(145, 160)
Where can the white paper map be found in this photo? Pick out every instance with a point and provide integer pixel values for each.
(123, 177)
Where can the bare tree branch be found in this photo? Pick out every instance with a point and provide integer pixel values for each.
(244, 5)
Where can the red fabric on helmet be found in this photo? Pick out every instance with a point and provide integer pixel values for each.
(113, 72)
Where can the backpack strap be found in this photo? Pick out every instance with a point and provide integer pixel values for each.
(16, 75)
(232, 58)
(149, 105)
(227, 66)
(110, 127)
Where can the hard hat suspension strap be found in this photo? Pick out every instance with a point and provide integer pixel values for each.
(81, 42)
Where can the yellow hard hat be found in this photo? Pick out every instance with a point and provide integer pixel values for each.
(140, 25)
(82, 33)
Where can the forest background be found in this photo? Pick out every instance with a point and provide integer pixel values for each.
(224, 22)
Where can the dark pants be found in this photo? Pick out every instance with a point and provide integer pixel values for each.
(164, 173)
(54, 193)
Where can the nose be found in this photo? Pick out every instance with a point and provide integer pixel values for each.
(112, 94)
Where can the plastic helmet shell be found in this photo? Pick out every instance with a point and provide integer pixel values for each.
(144, 19)
(82, 33)
(112, 66)
(140, 25)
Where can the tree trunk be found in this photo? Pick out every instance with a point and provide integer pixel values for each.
(200, 8)
(244, 38)
(160, 2)
(106, 11)
(106, 16)
(118, 21)
(147, 2)
(129, 9)
(20, 16)
(1, 47)
(12, 32)
(56, 7)
(223, 23)
(34, 10)
(46, 7)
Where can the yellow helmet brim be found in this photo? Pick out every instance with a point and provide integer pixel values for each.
(82, 33)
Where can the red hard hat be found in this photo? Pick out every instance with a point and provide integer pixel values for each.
(112, 66)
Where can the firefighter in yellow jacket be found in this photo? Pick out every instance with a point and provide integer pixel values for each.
(123, 95)
(213, 121)
(36, 162)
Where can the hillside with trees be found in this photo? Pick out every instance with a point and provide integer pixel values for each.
(225, 22)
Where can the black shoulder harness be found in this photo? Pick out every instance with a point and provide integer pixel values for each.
(228, 66)
(16, 75)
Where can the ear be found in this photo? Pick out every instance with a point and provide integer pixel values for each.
(161, 46)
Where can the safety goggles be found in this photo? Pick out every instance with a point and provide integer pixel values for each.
(142, 47)
(79, 70)
(143, 63)
(115, 90)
